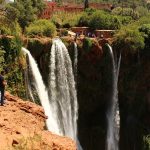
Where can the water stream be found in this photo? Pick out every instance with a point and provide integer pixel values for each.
(62, 89)
(42, 93)
(113, 115)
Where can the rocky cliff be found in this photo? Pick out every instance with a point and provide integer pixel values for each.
(22, 126)
(94, 86)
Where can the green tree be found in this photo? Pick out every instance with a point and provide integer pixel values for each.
(41, 27)
(28, 10)
(103, 20)
(130, 39)
(145, 28)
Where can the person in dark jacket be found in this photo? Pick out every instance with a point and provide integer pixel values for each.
(2, 87)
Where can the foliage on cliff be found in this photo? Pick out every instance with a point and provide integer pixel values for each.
(27, 10)
(65, 20)
(145, 28)
(99, 19)
(129, 39)
(41, 28)
(134, 36)
(11, 60)
(147, 142)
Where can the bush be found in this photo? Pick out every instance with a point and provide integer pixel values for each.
(10, 62)
(103, 20)
(66, 20)
(41, 28)
(87, 44)
(63, 32)
(13, 29)
(84, 20)
(142, 11)
(125, 20)
(5, 30)
(146, 140)
(130, 39)
(145, 28)
(126, 12)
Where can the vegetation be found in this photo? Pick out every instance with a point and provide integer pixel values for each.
(27, 11)
(87, 44)
(41, 28)
(66, 20)
(130, 19)
(11, 62)
(135, 36)
(145, 28)
(146, 142)
(31, 142)
(129, 39)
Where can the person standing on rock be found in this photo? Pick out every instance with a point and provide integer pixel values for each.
(2, 87)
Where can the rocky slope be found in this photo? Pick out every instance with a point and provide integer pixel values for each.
(22, 127)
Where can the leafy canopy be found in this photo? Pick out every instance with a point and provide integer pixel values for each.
(41, 27)
(28, 10)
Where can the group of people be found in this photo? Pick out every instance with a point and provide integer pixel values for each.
(89, 34)
(2, 87)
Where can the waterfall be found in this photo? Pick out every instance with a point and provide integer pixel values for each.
(62, 89)
(28, 85)
(42, 93)
(75, 61)
(113, 115)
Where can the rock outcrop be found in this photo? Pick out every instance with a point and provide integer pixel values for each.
(22, 127)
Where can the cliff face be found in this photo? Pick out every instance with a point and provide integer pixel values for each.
(22, 127)
(94, 85)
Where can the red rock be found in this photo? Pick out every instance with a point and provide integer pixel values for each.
(22, 124)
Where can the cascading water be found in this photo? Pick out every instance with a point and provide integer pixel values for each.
(113, 112)
(28, 86)
(42, 93)
(75, 61)
(62, 89)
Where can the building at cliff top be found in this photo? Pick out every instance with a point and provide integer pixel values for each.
(52, 7)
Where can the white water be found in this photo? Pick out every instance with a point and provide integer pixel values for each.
(62, 90)
(42, 93)
(28, 85)
(75, 61)
(113, 115)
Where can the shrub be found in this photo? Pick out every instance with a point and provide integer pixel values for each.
(146, 140)
(66, 20)
(145, 28)
(125, 20)
(5, 30)
(31, 143)
(130, 39)
(84, 20)
(126, 12)
(41, 28)
(13, 29)
(63, 32)
(142, 11)
(103, 20)
(10, 62)
(87, 44)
